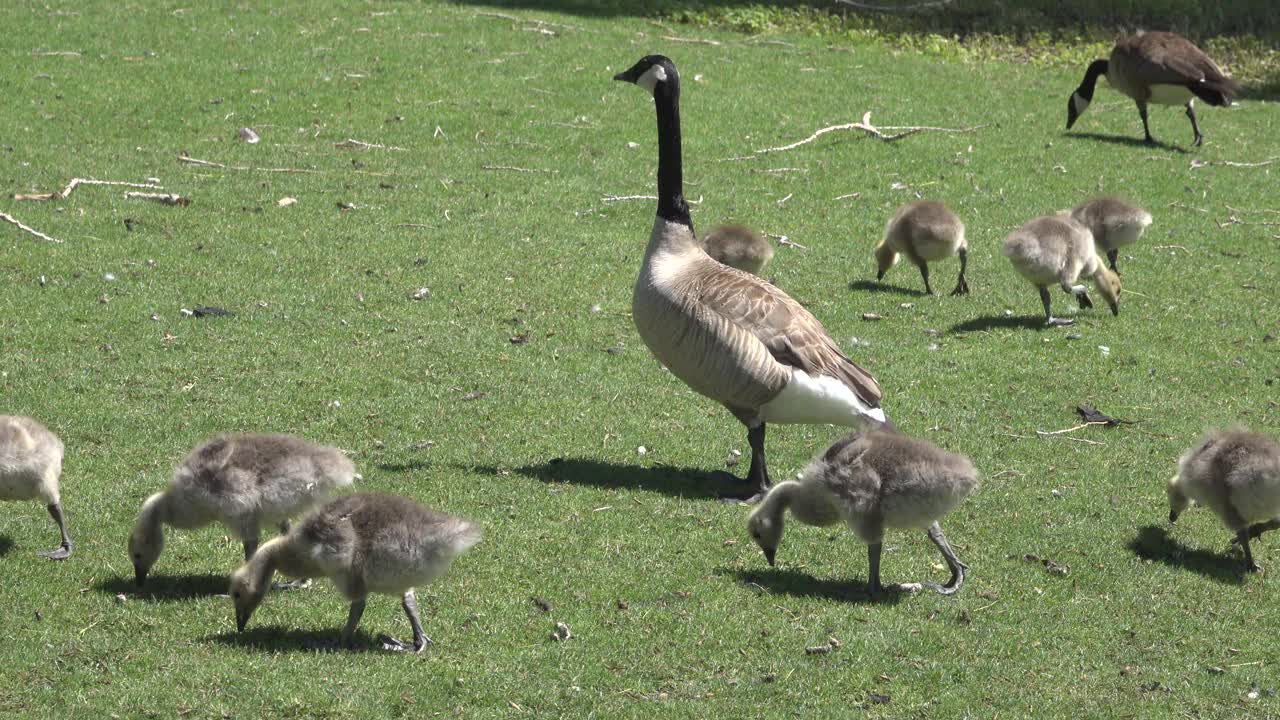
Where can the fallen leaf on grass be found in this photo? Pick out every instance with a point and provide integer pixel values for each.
(286, 201)
(1091, 414)
(474, 395)
(561, 632)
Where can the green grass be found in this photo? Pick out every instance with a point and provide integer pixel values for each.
(327, 343)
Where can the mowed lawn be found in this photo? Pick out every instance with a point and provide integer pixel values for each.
(517, 393)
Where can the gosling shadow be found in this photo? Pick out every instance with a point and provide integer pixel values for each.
(799, 584)
(1000, 322)
(6, 544)
(668, 480)
(1153, 543)
(1127, 140)
(284, 639)
(403, 467)
(167, 588)
(876, 286)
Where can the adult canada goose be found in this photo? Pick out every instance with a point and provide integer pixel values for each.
(31, 467)
(242, 481)
(1236, 474)
(871, 481)
(738, 246)
(1056, 249)
(726, 333)
(925, 231)
(1114, 224)
(365, 543)
(1156, 67)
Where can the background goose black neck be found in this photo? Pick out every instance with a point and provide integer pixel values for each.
(671, 202)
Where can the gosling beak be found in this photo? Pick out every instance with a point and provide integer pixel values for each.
(139, 575)
(1115, 308)
(879, 276)
(1173, 516)
(242, 619)
(769, 554)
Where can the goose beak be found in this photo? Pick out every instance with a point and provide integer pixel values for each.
(770, 554)
(139, 575)
(622, 76)
(1173, 516)
(1072, 113)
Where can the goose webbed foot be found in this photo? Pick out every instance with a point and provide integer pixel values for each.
(62, 552)
(744, 490)
(757, 480)
(962, 288)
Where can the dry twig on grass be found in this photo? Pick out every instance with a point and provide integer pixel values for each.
(866, 126)
(1197, 164)
(695, 41)
(1070, 429)
(11, 219)
(76, 182)
(623, 198)
(162, 198)
(209, 163)
(353, 144)
(519, 169)
(785, 241)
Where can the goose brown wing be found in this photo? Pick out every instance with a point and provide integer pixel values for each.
(791, 334)
(1168, 58)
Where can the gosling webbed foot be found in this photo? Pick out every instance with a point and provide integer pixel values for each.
(1060, 322)
(394, 645)
(62, 552)
(296, 584)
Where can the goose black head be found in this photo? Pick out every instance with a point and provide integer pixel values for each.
(650, 72)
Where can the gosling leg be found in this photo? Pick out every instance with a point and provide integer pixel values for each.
(353, 619)
(962, 287)
(924, 273)
(1112, 256)
(1256, 530)
(953, 562)
(1243, 538)
(1049, 318)
(63, 551)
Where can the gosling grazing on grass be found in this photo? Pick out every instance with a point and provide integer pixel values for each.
(1055, 249)
(242, 481)
(365, 543)
(30, 467)
(925, 231)
(1114, 224)
(728, 334)
(738, 246)
(1156, 67)
(871, 481)
(1236, 474)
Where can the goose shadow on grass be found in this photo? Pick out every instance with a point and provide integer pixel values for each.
(665, 479)
(799, 584)
(404, 467)
(1128, 140)
(167, 588)
(1001, 322)
(1153, 543)
(287, 639)
(6, 544)
(876, 286)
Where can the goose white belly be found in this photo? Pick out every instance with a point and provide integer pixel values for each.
(1170, 95)
(813, 400)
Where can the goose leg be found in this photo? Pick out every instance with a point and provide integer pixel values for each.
(353, 619)
(1146, 128)
(1112, 256)
(924, 273)
(1195, 128)
(1049, 318)
(953, 562)
(1243, 538)
(63, 551)
(757, 481)
(962, 287)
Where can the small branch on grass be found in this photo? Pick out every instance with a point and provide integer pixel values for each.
(1233, 220)
(519, 169)
(1197, 164)
(353, 144)
(12, 220)
(866, 126)
(162, 198)
(850, 196)
(623, 198)
(413, 225)
(208, 163)
(696, 41)
(76, 182)
(54, 53)
(1167, 247)
(1260, 210)
(1070, 429)
(1181, 206)
(788, 197)
(931, 5)
(785, 241)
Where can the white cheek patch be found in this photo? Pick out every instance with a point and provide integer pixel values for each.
(1080, 103)
(651, 77)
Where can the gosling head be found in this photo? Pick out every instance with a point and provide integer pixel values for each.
(1178, 501)
(650, 73)
(886, 258)
(1109, 286)
(766, 529)
(247, 591)
(146, 541)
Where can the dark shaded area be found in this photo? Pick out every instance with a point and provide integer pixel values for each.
(6, 544)
(168, 588)
(401, 467)
(278, 639)
(1134, 141)
(1090, 19)
(1153, 543)
(880, 287)
(674, 481)
(799, 584)
(993, 322)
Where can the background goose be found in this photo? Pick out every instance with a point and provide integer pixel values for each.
(728, 334)
(872, 481)
(1114, 224)
(738, 246)
(1056, 249)
(1156, 67)
(243, 482)
(1236, 474)
(924, 231)
(365, 543)
(31, 467)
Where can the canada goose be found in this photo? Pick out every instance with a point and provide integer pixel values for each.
(738, 246)
(924, 231)
(365, 543)
(871, 481)
(1236, 474)
(728, 334)
(1057, 249)
(30, 467)
(1156, 67)
(243, 482)
(1113, 222)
